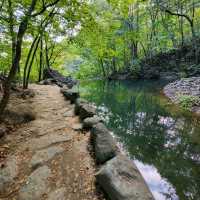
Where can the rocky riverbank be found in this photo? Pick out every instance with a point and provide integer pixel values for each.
(50, 157)
(186, 93)
(117, 176)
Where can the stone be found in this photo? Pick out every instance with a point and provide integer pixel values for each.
(42, 156)
(48, 81)
(104, 144)
(71, 94)
(59, 194)
(3, 131)
(84, 109)
(69, 113)
(186, 86)
(151, 73)
(121, 180)
(91, 121)
(49, 139)
(79, 102)
(36, 185)
(64, 88)
(77, 127)
(19, 115)
(168, 76)
(8, 173)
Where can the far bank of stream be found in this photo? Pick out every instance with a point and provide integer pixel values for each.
(162, 140)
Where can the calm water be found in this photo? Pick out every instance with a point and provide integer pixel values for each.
(163, 141)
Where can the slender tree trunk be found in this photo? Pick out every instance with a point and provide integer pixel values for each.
(11, 28)
(47, 56)
(41, 60)
(31, 63)
(27, 61)
(102, 67)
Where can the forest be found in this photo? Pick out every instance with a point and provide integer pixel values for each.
(100, 99)
(102, 37)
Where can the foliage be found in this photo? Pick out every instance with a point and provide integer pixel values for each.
(188, 101)
(122, 32)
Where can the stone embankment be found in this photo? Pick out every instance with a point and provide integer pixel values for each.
(118, 176)
(185, 92)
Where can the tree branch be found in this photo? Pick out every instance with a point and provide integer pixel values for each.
(45, 7)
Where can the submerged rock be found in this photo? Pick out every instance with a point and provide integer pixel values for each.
(121, 180)
(104, 144)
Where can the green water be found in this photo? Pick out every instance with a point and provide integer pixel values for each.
(162, 140)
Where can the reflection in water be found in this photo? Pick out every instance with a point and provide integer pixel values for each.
(163, 142)
(159, 186)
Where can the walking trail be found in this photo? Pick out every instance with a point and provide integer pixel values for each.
(49, 158)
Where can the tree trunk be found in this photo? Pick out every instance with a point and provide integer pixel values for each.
(27, 61)
(102, 67)
(41, 60)
(31, 63)
(17, 57)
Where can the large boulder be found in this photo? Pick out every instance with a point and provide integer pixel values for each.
(104, 144)
(84, 109)
(121, 180)
(71, 94)
(91, 121)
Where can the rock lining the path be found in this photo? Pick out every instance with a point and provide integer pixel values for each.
(36, 185)
(91, 121)
(118, 176)
(104, 144)
(84, 109)
(71, 94)
(121, 180)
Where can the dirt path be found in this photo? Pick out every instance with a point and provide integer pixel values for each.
(49, 157)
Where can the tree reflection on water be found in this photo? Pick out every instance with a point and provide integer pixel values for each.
(165, 144)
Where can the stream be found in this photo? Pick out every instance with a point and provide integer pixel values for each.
(161, 139)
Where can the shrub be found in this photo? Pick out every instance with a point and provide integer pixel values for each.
(188, 101)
